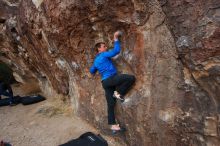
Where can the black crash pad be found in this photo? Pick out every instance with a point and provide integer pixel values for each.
(87, 139)
(6, 101)
(32, 99)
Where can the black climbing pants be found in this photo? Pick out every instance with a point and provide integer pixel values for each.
(6, 91)
(120, 83)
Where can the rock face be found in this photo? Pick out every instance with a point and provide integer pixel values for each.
(172, 47)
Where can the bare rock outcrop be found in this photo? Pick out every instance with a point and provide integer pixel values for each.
(172, 47)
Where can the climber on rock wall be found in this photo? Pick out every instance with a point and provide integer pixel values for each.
(115, 85)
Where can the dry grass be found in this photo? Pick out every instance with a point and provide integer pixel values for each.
(53, 106)
(56, 106)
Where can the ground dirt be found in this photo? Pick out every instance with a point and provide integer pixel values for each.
(42, 124)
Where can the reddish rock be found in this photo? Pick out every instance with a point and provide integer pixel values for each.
(172, 48)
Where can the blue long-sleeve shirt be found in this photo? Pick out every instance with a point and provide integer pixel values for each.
(103, 62)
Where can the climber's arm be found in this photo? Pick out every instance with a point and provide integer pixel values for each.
(93, 69)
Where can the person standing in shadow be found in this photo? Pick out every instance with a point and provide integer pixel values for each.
(5, 89)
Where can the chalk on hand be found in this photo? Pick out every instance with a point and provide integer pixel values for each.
(120, 33)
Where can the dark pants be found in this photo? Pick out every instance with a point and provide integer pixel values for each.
(120, 83)
(6, 91)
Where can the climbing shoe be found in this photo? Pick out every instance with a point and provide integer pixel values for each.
(118, 96)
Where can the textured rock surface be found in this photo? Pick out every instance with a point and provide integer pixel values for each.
(195, 26)
(172, 47)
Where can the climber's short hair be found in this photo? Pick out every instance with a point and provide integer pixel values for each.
(98, 45)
